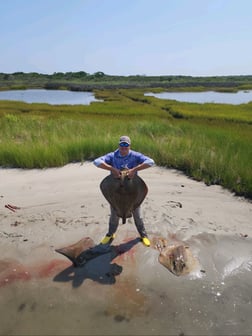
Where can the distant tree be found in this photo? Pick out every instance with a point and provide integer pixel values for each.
(99, 74)
(34, 74)
(58, 75)
(81, 74)
(69, 73)
(17, 73)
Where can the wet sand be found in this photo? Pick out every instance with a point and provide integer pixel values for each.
(41, 293)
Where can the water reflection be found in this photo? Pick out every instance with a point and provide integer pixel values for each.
(53, 97)
(240, 97)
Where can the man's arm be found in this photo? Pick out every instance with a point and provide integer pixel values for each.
(114, 171)
(141, 166)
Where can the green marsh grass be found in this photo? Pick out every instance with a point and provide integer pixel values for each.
(209, 142)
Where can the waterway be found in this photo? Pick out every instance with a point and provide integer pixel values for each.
(61, 97)
(240, 97)
(53, 97)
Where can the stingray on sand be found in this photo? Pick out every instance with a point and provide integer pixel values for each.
(175, 256)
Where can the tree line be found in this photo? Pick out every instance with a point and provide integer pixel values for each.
(81, 80)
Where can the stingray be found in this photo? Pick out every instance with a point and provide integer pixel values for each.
(83, 251)
(176, 257)
(124, 194)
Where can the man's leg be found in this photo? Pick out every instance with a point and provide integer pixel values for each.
(113, 225)
(113, 222)
(140, 226)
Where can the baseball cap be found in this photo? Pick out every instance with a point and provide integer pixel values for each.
(124, 138)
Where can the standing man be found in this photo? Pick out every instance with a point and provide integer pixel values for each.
(124, 158)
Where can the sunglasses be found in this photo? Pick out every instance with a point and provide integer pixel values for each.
(124, 144)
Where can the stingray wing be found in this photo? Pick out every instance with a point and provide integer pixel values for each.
(74, 250)
(83, 251)
(124, 194)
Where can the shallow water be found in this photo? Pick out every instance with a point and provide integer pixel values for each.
(240, 97)
(144, 298)
(53, 97)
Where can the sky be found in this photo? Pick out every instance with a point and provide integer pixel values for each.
(127, 37)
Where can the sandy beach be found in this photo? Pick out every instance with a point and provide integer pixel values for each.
(42, 294)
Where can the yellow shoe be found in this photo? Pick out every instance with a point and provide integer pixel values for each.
(145, 241)
(108, 239)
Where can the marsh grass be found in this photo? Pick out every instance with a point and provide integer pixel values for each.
(209, 142)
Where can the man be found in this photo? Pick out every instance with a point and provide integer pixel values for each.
(124, 158)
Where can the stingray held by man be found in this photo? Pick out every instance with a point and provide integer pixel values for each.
(124, 194)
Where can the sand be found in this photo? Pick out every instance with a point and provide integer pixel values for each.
(41, 293)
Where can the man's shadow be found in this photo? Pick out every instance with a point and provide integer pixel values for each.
(95, 264)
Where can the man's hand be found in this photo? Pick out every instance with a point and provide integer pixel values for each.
(131, 173)
(116, 172)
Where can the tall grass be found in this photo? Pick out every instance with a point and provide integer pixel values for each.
(207, 143)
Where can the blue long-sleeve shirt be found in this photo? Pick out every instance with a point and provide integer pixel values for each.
(116, 160)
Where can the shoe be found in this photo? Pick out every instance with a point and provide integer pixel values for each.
(145, 241)
(108, 239)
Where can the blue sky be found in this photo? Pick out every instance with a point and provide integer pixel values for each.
(127, 37)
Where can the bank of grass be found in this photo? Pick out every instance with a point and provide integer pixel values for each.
(211, 146)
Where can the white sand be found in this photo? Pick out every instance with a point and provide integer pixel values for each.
(62, 205)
